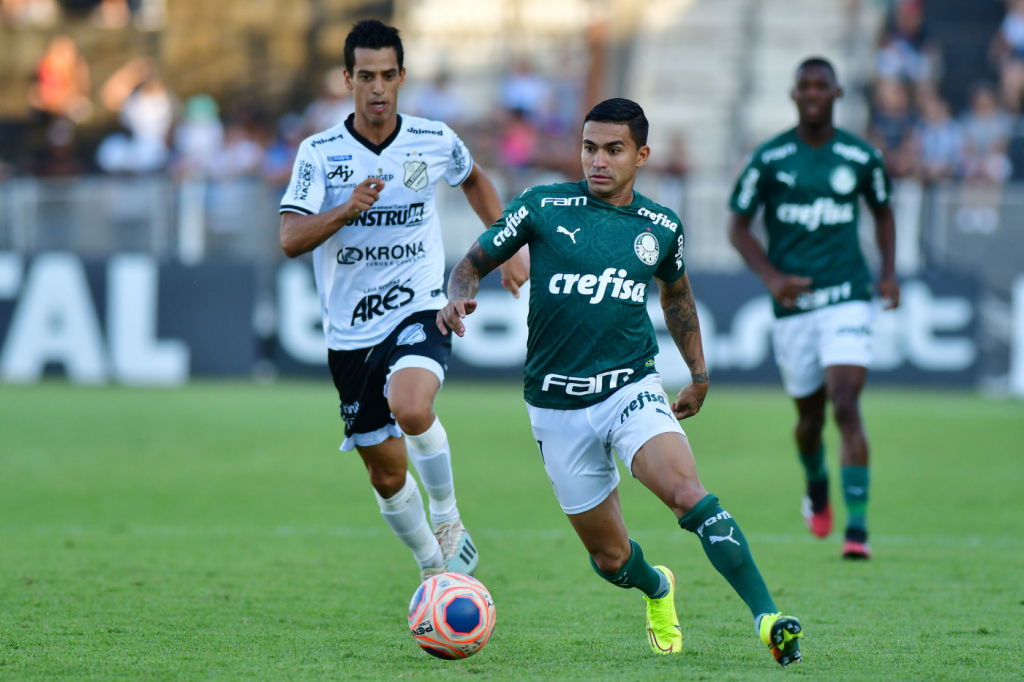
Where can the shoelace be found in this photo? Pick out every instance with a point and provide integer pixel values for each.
(445, 539)
(661, 616)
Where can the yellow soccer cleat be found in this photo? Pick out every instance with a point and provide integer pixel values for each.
(663, 631)
(781, 634)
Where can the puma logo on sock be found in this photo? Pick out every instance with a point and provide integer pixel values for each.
(723, 538)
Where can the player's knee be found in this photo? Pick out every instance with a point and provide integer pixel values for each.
(845, 409)
(610, 560)
(387, 481)
(413, 414)
(810, 425)
(686, 495)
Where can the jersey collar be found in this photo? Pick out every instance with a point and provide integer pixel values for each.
(375, 148)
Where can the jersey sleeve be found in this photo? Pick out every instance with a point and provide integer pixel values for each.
(460, 162)
(672, 266)
(876, 185)
(306, 191)
(748, 195)
(511, 232)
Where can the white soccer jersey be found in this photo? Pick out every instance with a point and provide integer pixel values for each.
(389, 262)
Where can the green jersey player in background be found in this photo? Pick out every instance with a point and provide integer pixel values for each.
(591, 383)
(809, 180)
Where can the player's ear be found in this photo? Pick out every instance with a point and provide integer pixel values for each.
(840, 92)
(401, 77)
(642, 155)
(348, 79)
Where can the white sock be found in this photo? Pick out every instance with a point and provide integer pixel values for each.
(404, 514)
(432, 458)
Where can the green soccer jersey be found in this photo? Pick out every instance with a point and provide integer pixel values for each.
(590, 267)
(811, 211)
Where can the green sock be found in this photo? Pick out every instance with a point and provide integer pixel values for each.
(729, 553)
(855, 491)
(636, 572)
(817, 478)
(814, 465)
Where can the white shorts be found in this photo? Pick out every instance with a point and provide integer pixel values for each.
(576, 445)
(807, 343)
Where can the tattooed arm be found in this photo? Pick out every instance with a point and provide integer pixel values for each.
(463, 284)
(681, 317)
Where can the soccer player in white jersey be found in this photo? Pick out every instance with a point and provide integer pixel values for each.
(362, 199)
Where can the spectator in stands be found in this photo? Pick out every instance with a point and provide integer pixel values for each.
(28, 12)
(112, 14)
(905, 54)
(199, 138)
(145, 107)
(987, 129)
(518, 147)
(1007, 52)
(526, 92)
(939, 140)
(892, 126)
(61, 88)
(280, 155)
(333, 105)
(59, 159)
(240, 156)
(439, 101)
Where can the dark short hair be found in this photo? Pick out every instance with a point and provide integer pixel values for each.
(374, 35)
(819, 62)
(625, 111)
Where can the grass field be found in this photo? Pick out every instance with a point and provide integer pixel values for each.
(216, 532)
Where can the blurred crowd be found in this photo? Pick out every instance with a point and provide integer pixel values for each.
(530, 126)
(917, 129)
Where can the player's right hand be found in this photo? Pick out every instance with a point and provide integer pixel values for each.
(365, 195)
(453, 313)
(786, 289)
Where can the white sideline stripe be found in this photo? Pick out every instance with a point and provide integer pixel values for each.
(493, 533)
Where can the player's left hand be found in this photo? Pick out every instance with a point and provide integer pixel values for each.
(889, 290)
(451, 316)
(690, 400)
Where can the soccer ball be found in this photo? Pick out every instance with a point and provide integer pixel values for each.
(451, 616)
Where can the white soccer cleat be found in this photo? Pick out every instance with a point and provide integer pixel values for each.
(460, 554)
(430, 571)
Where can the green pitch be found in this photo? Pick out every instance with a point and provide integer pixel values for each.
(216, 532)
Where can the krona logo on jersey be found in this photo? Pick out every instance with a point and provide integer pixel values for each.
(374, 255)
(512, 221)
(623, 289)
(812, 216)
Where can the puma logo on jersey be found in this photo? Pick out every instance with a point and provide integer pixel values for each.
(622, 289)
(572, 235)
(786, 178)
(724, 538)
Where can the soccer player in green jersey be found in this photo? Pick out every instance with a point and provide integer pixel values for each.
(809, 180)
(591, 383)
